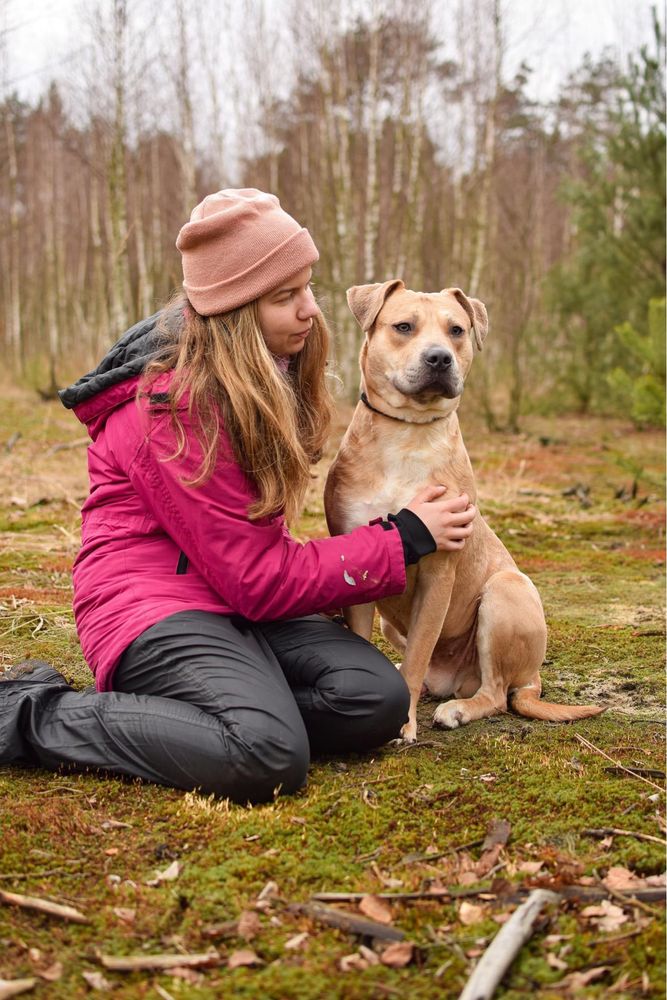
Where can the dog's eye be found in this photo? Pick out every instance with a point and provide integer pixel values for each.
(456, 331)
(403, 327)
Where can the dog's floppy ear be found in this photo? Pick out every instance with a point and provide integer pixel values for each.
(365, 301)
(477, 313)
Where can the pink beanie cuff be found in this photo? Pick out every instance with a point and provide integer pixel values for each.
(239, 245)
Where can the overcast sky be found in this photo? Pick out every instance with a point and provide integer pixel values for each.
(43, 37)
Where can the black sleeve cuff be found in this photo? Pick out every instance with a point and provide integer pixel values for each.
(417, 539)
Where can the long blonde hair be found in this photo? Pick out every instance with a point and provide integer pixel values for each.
(277, 423)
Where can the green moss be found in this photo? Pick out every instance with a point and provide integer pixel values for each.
(600, 574)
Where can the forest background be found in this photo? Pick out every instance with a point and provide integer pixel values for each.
(400, 134)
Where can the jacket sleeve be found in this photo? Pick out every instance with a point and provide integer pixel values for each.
(259, 570)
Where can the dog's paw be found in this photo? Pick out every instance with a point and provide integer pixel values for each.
(409, 732)
(449, 714)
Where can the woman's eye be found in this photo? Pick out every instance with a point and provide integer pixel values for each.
(403, 327)
(456, 331)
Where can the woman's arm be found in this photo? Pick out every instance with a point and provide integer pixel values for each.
(256, 566)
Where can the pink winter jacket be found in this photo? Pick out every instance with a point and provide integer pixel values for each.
(140, 523)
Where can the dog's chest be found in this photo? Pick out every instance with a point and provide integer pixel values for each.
(389, 482)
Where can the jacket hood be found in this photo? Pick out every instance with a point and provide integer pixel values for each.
(95, 395)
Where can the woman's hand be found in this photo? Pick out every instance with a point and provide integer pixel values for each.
(448, 520)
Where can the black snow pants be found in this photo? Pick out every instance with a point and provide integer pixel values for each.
(213, 703)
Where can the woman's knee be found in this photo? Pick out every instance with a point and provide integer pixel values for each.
(258, 766)
(375, 690)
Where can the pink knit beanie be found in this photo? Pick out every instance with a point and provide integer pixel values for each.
(238, 245)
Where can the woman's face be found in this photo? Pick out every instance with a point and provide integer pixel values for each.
(286, 314)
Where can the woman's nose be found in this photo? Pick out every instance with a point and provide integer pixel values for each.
(307, 306)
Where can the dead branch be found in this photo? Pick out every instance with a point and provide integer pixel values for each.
(12, 987)
(350, 922)
(591, 746)
(505, 946)
(43, 906)
(612, 831)
(67, 445)
(132, 963)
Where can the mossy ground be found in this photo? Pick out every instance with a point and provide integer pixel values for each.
(600, 569)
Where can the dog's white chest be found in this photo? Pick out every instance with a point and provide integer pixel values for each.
(388, 486)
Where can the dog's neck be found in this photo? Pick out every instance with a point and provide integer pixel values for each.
(414, 418)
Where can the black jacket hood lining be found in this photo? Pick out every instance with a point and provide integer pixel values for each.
(126, 359)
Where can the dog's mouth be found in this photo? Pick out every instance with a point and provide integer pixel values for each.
(428, 386)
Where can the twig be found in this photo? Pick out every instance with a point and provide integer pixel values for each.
(612, 831)
(349, 922)
(12, 987)
(77, 443)
(411, 859)
(43, 906)
(131, 963)
(505, 946)
(591, 746)
(629, 898)
(40, 874)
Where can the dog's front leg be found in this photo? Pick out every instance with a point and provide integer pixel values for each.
(427, 615)
(359, 618)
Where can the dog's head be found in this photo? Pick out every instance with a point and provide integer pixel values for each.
(419, 346)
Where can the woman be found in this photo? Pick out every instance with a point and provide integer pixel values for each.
(196, 609)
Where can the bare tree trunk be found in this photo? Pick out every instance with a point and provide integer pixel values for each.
(117, 177)
(13, 301)
(372, 184)
(184, 99)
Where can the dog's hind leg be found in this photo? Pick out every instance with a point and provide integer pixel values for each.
(393, 636)
(511, 643)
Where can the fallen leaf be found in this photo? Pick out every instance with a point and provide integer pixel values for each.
(607, 916)
(248, 925)
(354, 962)
(115, 824)
(470, 913)
(529, 867)
(376, 909)
(474, 952)
(245, 956)
(297, 941)
(556, 963)
(398, 954)
(468, 878)
(268, 892)
(12, 987)
(112, 851)
(577, 980)
(187, 975)
(52, 972)
(171, 873)
(97, 981)
(369, 955)
(621, 879)
(657, 881)
(125, 913)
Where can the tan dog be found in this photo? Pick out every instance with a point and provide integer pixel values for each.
(469, 623)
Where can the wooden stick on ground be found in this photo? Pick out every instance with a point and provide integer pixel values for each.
(132, 963)
(43, 906)
(505, 946)
(12, 987)
(591, 746)
(350, 922)
(612, 831)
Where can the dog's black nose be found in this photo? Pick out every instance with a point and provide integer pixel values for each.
(437, 358)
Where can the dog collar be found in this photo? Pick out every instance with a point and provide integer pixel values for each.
(366, 402)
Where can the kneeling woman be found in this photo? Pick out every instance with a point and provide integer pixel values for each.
(196, 609)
